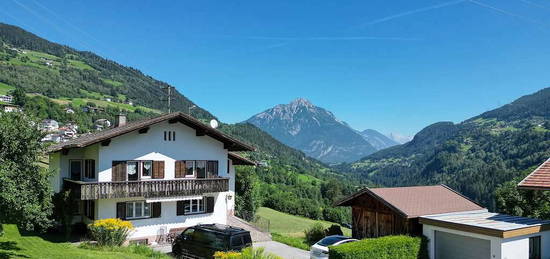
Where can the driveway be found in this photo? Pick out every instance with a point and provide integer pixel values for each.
(282, 250)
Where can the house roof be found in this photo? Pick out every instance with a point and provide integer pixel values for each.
(415, 201)
(538, 179)
(240, 160)
(486, 223)
(230, 143)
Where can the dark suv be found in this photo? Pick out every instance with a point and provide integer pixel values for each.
(202, 241)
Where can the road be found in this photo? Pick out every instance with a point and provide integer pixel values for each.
(283, 250)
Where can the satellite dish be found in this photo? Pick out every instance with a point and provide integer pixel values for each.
(214, 124)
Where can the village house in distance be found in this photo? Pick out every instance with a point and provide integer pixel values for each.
(163, 174)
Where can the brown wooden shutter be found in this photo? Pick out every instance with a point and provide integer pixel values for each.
(180, 169)
(118, 171)
(121, 210)
(158, 169)
(157, 208)
(209, 204)
(180, 208)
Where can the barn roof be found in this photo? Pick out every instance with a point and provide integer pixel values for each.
(230, 143)
(415, 201)
(487, 223)
(538, 179)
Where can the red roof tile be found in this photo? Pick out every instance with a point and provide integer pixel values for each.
(418, 201)
(538, 179)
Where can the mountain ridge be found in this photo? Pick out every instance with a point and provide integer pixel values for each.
(314, 130)
(473, 156)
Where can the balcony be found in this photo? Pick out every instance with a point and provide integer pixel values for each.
(146, 189)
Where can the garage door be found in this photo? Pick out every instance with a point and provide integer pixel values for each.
(451, 246)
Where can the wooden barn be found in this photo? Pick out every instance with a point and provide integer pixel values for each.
(380, 212)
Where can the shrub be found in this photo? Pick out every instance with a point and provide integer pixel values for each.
(227, 255)
(334, 230)
(247, 253)
(315, 233)
(388, 247)
(110, 232)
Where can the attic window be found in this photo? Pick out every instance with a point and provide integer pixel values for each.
(169, 136)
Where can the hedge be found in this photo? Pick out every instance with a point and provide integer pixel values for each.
(388, 247)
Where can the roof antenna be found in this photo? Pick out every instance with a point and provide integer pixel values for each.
(168, 97)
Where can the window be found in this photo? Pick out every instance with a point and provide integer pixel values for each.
(201, 169)
(534, 247)
(189, 168)
(75, 169)
(212, 169)
(89, 169)
(169, 136)
(89, 209)
(132, 170)
(146, 169)
(236, 241)
(138, 209)
(192, 206)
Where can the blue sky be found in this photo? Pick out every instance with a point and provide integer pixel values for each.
(395, 66)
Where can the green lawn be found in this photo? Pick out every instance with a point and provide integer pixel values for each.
(4, 88)
(13, 244)
(290, 225)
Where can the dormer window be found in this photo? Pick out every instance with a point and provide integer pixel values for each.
(169, 135)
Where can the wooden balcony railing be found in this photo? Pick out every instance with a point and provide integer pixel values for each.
(146, 189)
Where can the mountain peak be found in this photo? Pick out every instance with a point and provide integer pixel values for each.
(301, 102)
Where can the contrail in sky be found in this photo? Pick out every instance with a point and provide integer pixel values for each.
(415, 11)
(502, 11)
(327, 38)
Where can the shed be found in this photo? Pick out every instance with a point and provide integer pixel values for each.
(486, 235)
(389, 211)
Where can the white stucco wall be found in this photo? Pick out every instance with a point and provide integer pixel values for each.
(151, 146)
(60, 163)
(509, 248)
(169, 219)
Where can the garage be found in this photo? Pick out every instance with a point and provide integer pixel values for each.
(482, 234)
(452, 246)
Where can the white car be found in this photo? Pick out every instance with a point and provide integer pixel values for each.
(320, 249)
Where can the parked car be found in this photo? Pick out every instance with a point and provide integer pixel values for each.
(202, 241)
(320, 249)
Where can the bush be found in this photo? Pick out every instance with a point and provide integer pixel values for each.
(315, 233)
(388, 247)
(334, 230)
(110, 232)
(247, 253)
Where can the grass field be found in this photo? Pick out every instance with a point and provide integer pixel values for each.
(13, 244)
(289, 229)
(4, 88)
(290, 225)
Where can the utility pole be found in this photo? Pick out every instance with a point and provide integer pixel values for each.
(169, 97)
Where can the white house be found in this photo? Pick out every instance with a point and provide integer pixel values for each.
(50, 125)
(6, 98)
(5, 107)
(163, 174)
(481, 234)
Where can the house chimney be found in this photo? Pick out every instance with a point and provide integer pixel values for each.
(120, 120)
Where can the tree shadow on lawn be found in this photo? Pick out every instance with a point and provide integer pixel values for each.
(8, 249)
(54, 236)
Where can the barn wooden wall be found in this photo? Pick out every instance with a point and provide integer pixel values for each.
(372, 218)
